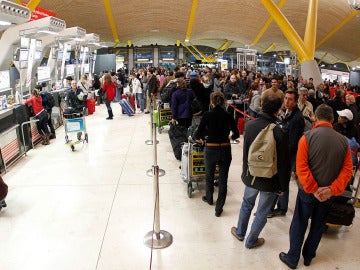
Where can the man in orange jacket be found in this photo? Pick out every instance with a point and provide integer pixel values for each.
(324, 167)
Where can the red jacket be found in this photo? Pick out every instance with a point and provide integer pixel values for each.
(36, 103)
(110, 91)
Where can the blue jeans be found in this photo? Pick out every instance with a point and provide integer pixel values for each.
(307, 206)
(141, 101)
(263, 209)
(222, 156)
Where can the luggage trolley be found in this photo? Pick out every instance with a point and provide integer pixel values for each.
(162, 116)
(193, 165)
(75, 122)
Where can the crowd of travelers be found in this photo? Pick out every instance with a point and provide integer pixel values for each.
(303, 113)
(306, 119)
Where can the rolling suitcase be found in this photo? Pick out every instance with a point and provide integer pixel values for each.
(90, 105)
(241, 125)
(125, 105)
(132, 101)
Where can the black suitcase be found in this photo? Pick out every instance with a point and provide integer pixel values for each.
(177, 136)
(341, 212)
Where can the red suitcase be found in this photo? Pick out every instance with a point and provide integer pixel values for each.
(90, 105)
(132, 101)
(241, 125)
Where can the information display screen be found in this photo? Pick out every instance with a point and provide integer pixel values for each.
(24, 55)
(43, 73)
(4, 79)
(70, 70)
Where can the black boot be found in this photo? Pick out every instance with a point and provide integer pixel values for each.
(110, 115)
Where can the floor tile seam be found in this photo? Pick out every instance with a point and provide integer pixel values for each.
(113, 200)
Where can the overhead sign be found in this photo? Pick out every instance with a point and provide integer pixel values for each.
(39, 13)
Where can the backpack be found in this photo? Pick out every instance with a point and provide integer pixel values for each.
(262, 157)
(166, 92)
(48, 100)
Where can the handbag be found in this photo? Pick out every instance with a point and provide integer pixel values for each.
(196, 108)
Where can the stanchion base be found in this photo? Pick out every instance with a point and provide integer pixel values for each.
(150, 142)
(150, 172)
(159, 240)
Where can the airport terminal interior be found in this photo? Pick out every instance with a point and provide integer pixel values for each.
(91, 208)
(90, 201)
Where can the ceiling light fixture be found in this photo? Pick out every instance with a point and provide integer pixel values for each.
(354, 4)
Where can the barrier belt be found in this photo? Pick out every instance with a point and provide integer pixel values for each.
(240, 111)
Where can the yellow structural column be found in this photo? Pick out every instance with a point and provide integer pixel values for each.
(310, 29)
(111, 21)
(191, 19)
(289, 32)
(266, 25)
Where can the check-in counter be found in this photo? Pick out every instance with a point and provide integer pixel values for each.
(10, 143)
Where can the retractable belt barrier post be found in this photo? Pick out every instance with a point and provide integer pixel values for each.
(156, 238)
(151, 141)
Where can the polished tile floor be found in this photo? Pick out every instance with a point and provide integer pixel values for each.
(91, 208)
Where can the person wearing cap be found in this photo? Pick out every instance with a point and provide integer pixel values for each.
(345, 125)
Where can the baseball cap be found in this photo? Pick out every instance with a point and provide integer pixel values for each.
(346, 113)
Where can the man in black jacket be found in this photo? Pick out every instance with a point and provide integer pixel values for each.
(293, 124)
(267, 187)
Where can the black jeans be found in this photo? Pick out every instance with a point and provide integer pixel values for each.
(42, 123)
(108, 106)
(220, 155)
(49, 122)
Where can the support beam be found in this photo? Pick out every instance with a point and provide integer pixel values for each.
(32, 4)
(269, 48)
(310, 29)
(266, 25)
(286, 28)
(337, 28)
(322, 58)
(201, 54)
(191, 19)
(111, 21)
(194, 54)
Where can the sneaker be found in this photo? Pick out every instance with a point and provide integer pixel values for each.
(146, 112)
(109, 118)
(52, 136)
(238, 237)
(259, 243)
